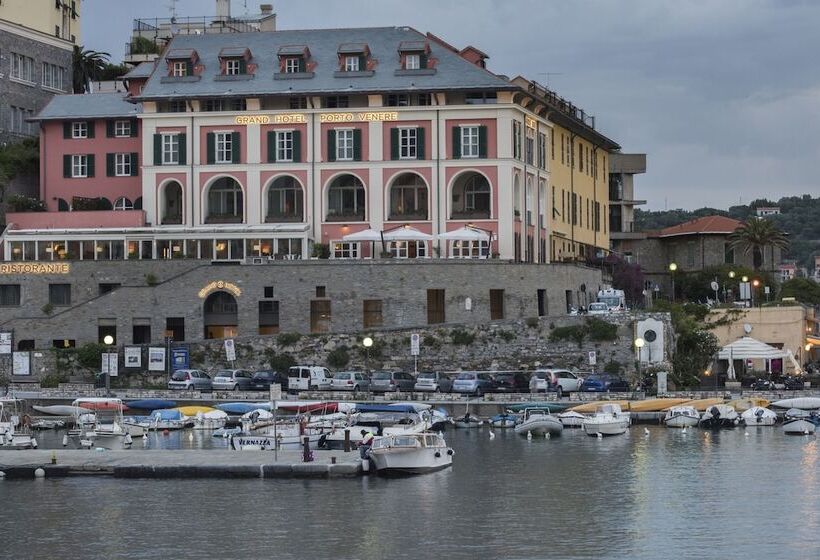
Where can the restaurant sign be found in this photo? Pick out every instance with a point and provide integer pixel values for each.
(301, 118)
(220, 285)
(35, 268)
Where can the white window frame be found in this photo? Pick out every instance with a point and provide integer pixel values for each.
(122, 165)
(79, 166)
(408, 143)
(284, 145)
(352, 64)
(179, 69)
(345, 250)
(22, 68)
(224, 147)
(122, 203)
(292, 65)
(170, 149)
(472, 249)
(412, 62)
(344, 144)
(122, 129)
(469, 141)
(401, 249)
(232, 67)
(79, 129)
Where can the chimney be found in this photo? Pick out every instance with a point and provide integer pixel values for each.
(223, 9)
(268, 18)
(266, 9)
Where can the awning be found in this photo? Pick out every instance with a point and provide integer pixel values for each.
(364, 235)
(465, 234)
(749, 348)
(406, 233)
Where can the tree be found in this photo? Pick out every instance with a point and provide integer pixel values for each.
(755, 235)
(802, 289)
(87, 66)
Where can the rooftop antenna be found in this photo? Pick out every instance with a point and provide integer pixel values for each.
(172, 7)
(547, 77)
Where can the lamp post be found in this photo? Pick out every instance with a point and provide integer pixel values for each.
(367, 343)
(672, 268)
(108, 340)
(725, 293)
(639, 344)
(755, 284)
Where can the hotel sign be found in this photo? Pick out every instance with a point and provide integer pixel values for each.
(35, 268)
(293, 118)
(220, 285)
(301, 118)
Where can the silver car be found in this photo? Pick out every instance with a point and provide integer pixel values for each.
(232, 380)
(349, 381)
(384, 381)
(433, 381)
(190, 380)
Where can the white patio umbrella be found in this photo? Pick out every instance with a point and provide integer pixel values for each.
(465, 234)
(406, 233)
(364, 235)
(748, 348)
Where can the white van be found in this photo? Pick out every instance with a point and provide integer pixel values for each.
(308, 378)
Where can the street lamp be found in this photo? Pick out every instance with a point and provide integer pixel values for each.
(755, 285)
(639, 344)
(672, 268)
(725, 293)
(108, 340)
(367, 343)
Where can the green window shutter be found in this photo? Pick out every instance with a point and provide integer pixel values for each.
(357, 144)
(157, 149)
(90, 126)
(109, 165)
(420, 143)
(362, 63)
(109, 129)
(423, 61)
(67, 166)
(331, 145)
(135, 164)
(297, 146)
(271, 146)
(90, 159)
(301, 64)
(243, 66)
(394, 143)
(236, 152)
(182, 139)
(134, 128)
(210, 141)
(482, 141)
(456, 142)
(189, 68)
(66, 130)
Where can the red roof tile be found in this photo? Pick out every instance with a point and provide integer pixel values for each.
(701, 226)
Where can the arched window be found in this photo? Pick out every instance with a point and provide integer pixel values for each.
(471, 197)
(138, 203)
(517, 196)
(122, 203)
(105, 204)
(285, 201)
(225, 204)
(408, 198)
(346, 200)
(171, 203)
(530, 203)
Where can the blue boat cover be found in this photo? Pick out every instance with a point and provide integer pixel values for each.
(151, 404)
(169, 414)
(406, 408)
(242, 407)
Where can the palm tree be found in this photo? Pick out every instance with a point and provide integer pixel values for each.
(755, 235)
(86, 66)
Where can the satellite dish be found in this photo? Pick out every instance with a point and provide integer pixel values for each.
(747, 328)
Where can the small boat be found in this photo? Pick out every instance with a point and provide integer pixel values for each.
(100, 403)
(702, 404)
(439, 419)
(803, 403)
(44, 424)
(194, 410)
(546, 405)
(719, 416)
(655, 405)
(571, 419)
(12, 434)
(212, 420)
(504, 421)
(166, 419)
(150, 404)
(226, 432)
(591, 407)
(61, 410)
(289, 440)
(759, 416)
(608, 420)
(90, 431)
(467, 421)
(410, 453)
(539, 422)
(681, 417)
(799, 422)
(242, 407)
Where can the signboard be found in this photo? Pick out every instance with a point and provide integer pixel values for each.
(662, 382)
(180, 359)
(21, 363)
(230, 350)
(415, 344)
(156, 359)
(35, 268)
(133, 356)
(745, 290)
(110, 363)
(275, 392)
(593, 358)
(5, 343)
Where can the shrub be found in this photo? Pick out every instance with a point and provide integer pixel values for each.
(601, 330)
(89, 355)
(48, 308)
(321, 250)
(52, 380)
(281, 362)
(151, 279)
(22, 203)
(532, 322)
(507, 336)
(288, 339)
(461, 337)
(338, 358)
(575, 333)
(613, 367)
(431, 341)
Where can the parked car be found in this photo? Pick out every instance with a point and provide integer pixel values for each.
(433, 381)
(603, 383)
(559, 380)
(512, 382)
(190, 380)
(262, 380)
(350, 381)
(232, 380)
(598, 308)
(474, 383)
(308, 378)
(383, 381)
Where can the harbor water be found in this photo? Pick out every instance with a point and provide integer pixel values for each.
(744, 493)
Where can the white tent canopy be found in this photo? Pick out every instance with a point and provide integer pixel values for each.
(406, 233)
(465, 234)
(748, 348)
(364, 235)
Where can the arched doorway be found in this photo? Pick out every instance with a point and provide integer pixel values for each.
(225, 202)
(220, 315)
(171, 209)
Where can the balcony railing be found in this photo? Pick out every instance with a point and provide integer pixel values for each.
(283, 218)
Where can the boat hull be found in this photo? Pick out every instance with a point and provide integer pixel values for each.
(803, 403)
(759, 416)
(798, 427)
(61, 410)
(468, 424)
(682, 421)
(571, 419)
(616, 427)
(411, 461)
(540, 427)
(267, 443)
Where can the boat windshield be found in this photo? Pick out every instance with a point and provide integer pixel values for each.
(405, 441)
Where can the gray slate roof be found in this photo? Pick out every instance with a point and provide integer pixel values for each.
(88, 105)
(141, 70)
(452, 71)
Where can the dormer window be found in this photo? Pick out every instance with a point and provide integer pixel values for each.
(294, 64)
(181, 65)
(179, 69)
(412, 62)
(414, 59)
(232, 67)
(351, 63)
(235, 61)
(354, 61)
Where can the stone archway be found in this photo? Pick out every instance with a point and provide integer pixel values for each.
(220, 315)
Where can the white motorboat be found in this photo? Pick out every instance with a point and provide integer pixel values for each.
(539, 422)
(284, 439)
(571, 419)
(60, 410)
(504, 420)
(410, 453)
(212, 420)
(803, 403)
(719, 416)
(12, 434)
(411, 424)
(759, 416)
(799, 422)
(608, 420)
(681, 417)
(467, 421)
(110, 432)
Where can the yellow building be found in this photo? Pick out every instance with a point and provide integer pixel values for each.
(55, 18)
(579, 177)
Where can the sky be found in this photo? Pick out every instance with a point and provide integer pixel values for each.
(722, 95)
